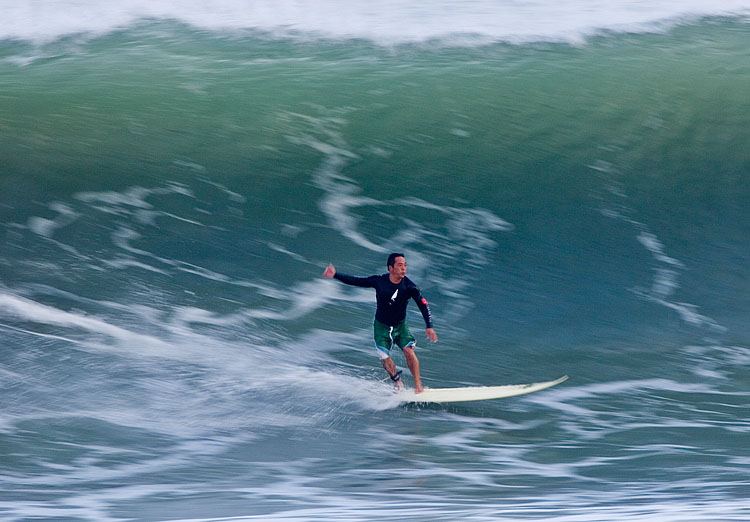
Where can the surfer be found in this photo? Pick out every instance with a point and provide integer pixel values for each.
(392, 292)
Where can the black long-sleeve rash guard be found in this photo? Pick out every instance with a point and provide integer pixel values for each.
(392, 299)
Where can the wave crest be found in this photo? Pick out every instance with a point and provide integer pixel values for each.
(392, 22)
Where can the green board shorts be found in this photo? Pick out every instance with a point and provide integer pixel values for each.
(386, 336)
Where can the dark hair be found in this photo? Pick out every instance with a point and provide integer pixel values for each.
(392, 258)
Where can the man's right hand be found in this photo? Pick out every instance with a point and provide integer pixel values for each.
(329, 272)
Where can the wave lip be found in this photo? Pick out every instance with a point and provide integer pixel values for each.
(392, 22)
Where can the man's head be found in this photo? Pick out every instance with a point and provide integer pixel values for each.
(396, 266)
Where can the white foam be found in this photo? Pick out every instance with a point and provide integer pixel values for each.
(341, 199)
(387, 22)
(665, 283)
(666, 269)
(32, 311)
(653, 245)
(47, 227)
(132, 198)
(624, 501)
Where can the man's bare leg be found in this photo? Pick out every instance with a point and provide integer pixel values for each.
(392, 370)
(413, 363)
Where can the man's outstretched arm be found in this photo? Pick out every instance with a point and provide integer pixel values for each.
(331, 273)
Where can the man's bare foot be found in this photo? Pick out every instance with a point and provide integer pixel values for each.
(398, 385)
(418, 388)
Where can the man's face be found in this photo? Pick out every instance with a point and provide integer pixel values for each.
(398, 270)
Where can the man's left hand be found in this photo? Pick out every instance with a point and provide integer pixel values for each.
(431, 335)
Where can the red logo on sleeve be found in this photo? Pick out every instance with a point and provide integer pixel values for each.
(424, 301)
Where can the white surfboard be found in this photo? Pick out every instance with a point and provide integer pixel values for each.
(476, 393)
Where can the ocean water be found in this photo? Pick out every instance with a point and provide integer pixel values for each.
(569, 180)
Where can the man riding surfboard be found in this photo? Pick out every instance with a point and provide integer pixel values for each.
(393, 291)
